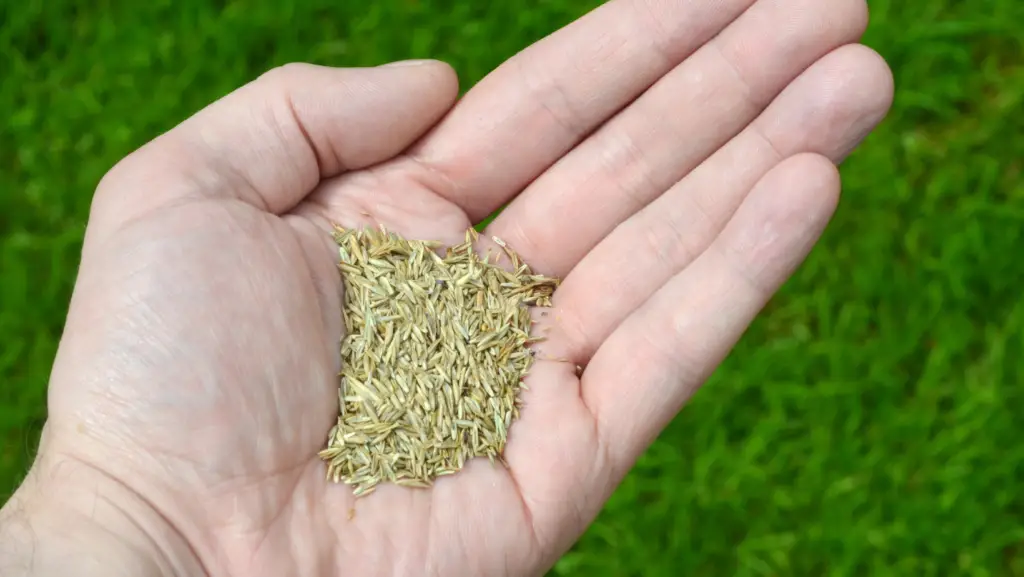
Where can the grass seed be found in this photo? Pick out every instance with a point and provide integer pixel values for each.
(435, 349)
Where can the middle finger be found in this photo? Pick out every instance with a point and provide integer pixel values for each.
(672, 128)
(827, 111)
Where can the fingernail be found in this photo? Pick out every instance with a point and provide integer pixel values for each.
(406, 63)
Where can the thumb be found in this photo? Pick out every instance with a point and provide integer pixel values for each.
(271, 141)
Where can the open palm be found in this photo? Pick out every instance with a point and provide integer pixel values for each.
(672, 161)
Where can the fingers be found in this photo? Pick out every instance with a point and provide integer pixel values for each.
(535, 107)
(270, 142)
(827, 110)
(645, 371)
(668, 131)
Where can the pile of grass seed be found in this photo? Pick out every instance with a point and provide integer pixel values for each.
(433, 357)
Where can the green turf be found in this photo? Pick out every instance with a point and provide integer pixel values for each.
(871, 422)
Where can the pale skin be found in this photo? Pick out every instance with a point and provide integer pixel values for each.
(673, 162)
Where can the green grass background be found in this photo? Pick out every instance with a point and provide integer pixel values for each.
(872, 420)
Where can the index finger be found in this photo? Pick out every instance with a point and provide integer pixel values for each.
(535, 107)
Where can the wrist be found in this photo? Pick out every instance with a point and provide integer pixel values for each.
(68, 518)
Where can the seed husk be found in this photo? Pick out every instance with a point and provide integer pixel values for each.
(435, 351)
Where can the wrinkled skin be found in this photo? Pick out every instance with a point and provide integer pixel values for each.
(672, 161)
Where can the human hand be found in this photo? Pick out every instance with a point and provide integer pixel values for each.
(673, 162)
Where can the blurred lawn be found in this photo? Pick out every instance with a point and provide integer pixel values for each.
(872, 421)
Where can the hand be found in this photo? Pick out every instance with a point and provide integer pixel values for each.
(672, 161)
